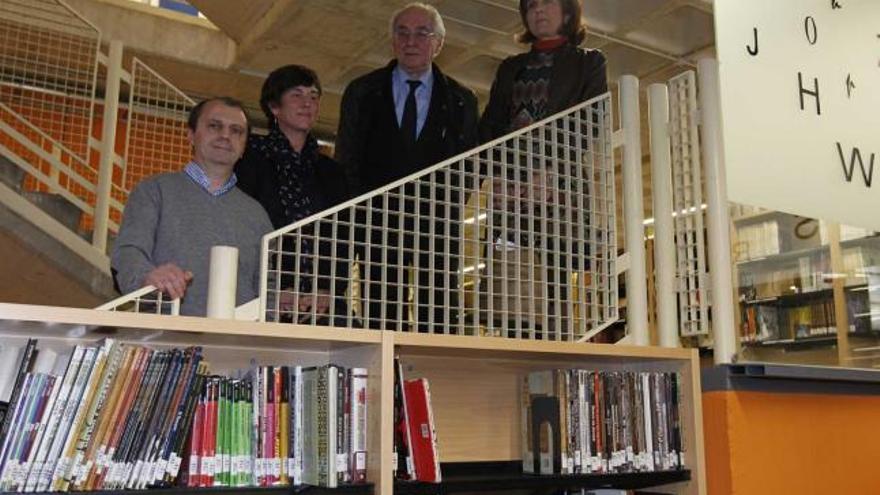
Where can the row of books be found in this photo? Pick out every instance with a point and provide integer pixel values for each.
(581, 421)
(115, 416)
(281, 425)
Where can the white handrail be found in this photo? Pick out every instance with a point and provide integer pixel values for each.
(55, 143)
(139, 298)
(513, 238)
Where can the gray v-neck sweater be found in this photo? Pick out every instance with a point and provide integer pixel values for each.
(171, 219)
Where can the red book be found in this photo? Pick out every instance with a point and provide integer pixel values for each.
(209, 444)
(195, 448)
(422, 431)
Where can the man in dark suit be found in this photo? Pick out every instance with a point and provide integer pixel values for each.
(396, 121)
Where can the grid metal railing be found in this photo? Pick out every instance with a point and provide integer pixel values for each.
(147, 299)
(516, 238)
(687, 197)
(48, 68)
(157, 139)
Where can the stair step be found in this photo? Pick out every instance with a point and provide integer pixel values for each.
(56, 206)
(10, 173)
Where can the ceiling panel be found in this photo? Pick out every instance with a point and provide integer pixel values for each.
(343, 39)
(680, 33)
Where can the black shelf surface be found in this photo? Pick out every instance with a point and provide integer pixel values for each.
(365, 489)
(802, 342)
(507, 475)
(800, 298)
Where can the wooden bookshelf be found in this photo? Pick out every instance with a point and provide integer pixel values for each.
(473, 380)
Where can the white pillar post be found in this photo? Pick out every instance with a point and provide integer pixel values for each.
(108, 146)
(633, 212)
(717, 214)
(664, 229)
(222, 282)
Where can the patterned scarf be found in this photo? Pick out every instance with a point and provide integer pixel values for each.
(295, 172)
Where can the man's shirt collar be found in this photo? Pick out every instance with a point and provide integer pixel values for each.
(195, 172)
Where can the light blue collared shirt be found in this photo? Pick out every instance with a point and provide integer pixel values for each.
(195, 172)
(400, 91)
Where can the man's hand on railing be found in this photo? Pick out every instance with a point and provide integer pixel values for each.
(170, 279)
(305, 302)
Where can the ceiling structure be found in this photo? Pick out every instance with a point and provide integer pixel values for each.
(342, 39)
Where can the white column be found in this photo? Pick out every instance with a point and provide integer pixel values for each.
(717, 213)
(633, 212)
(664, 229)
(222, 282)
(108, 146)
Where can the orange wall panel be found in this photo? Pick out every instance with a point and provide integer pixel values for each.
(778, 443)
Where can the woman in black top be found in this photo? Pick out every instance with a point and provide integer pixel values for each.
(554, 75)
(284, 171)
(532, 201)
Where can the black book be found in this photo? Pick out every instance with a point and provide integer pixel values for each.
(24, 366)
(185, 430)
(133, 436)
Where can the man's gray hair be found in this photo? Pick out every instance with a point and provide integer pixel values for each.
(439, 27)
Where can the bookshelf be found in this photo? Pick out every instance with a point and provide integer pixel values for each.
(800, 290)
(474, 385)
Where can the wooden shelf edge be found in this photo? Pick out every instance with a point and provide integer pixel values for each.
(91, 317)
(365, 489)
(514, 346)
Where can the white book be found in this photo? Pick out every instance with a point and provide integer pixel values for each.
(649, 432)
(10, 355)
(45, 361)
(83, 422)
(297, 447)
(310, 427)
(332, 411)
(114, 354)
(71, 410)
(584, 418)
(78, 369)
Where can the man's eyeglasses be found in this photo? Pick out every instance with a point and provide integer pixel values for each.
(419, 35)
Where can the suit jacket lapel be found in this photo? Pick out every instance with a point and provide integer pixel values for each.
(437, 109)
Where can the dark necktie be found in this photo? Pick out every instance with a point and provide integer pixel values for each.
(408, 121)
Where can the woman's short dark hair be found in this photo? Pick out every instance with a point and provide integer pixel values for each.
(282, 79)
(575, 29)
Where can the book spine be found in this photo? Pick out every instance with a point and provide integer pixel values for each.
(27, 359)
(339, 454)
(52, 426)
(299, 431)
(358, 447)
(66, 431)
(40, 431)
(284, 425)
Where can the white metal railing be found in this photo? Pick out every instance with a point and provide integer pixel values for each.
(688, 198)
(49, 62)
(147, 299)
(516, 238)
(156, 139)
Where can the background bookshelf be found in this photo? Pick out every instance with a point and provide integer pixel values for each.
(474, 383)
(475, 386)
(786, 272)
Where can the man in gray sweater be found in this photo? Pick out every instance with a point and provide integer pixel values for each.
(172, 220)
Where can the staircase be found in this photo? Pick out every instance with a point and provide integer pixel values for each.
(39, 240)
(56, 138)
